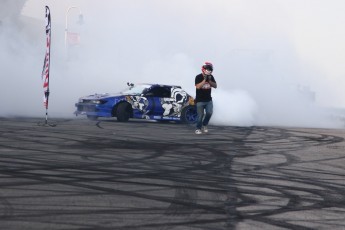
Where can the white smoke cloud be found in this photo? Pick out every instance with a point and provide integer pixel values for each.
(263, 53)
(234, 107)
(17, 68)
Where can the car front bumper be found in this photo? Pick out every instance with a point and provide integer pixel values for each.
(91, 110)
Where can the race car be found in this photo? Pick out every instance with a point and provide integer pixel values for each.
(141, 101)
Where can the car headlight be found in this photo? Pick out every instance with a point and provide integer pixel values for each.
(98, 102)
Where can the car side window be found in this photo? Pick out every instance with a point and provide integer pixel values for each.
(159, 92)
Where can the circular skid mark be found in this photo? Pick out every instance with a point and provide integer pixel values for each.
(162, 176)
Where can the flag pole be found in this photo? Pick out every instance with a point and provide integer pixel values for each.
(47, 96)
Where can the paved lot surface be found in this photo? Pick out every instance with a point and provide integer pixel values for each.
(141, 175)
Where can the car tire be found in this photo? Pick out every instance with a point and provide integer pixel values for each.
(189, 114)
(123, 112)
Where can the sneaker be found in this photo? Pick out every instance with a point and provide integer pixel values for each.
(204, 129)
(198, 131)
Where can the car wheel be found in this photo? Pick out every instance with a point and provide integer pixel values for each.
(189, 114)
(123, 112)
(92, 118)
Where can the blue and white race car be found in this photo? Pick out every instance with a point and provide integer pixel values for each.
(141, 101)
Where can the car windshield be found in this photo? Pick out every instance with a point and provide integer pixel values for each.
(135, 90)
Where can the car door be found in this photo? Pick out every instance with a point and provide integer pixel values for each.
(160, 100)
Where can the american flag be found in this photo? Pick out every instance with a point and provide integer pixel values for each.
(46, 65)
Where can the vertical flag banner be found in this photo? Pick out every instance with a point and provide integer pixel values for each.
(46, 65)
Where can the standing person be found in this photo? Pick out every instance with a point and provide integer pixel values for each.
(203, 84)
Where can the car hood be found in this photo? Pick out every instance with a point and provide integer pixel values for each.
(105, 95)
(101, 96)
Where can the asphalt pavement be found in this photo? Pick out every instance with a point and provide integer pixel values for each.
(81, 174)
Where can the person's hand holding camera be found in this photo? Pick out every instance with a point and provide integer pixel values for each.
(207, 77)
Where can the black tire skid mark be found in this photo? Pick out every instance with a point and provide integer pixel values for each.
(295, 201)
(33, 176)
(221, 166)
(181, 203)
(97, 143)
(6, 209)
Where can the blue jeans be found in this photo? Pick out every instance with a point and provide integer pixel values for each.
(203, 118)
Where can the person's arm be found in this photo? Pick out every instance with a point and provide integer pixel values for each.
(199, 85)
(212, 82)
